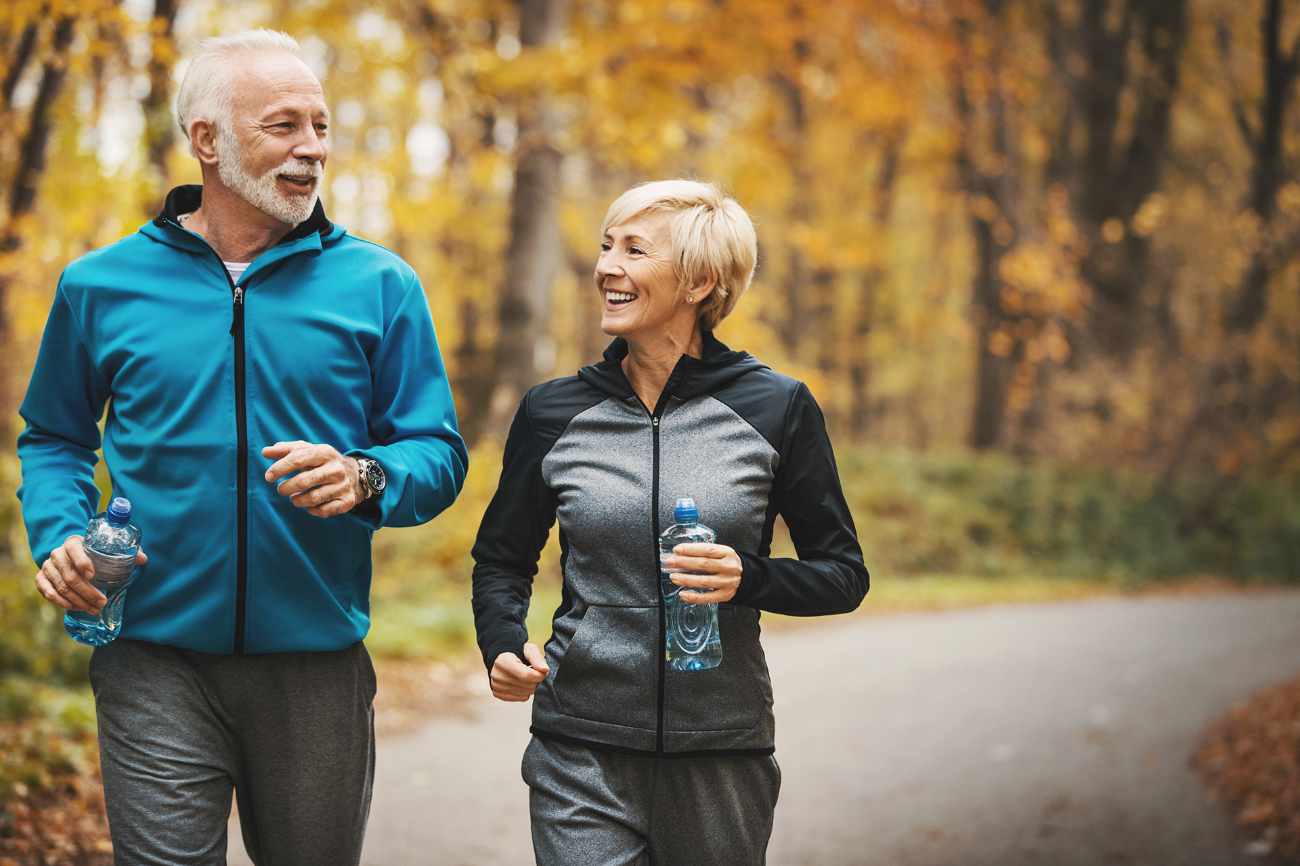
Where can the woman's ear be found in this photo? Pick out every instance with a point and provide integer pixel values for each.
(701, 291)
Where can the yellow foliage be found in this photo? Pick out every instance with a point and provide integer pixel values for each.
(797, 110)
(1112, 231)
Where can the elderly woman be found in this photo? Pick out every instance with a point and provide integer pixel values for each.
(632, 760)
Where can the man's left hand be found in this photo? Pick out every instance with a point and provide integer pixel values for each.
(715, 572)
(327, 483)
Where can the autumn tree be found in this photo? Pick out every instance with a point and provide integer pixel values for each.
(40, 45)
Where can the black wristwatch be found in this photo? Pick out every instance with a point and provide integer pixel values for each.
(373, 479)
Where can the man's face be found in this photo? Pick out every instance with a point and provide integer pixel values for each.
(271, 151)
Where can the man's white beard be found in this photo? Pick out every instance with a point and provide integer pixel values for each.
(261, 192)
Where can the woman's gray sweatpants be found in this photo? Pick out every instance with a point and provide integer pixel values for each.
(292, 733)
(598, 808)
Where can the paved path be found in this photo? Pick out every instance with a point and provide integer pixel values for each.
(1043, 735)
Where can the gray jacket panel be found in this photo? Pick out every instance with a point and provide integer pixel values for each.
(605, 649)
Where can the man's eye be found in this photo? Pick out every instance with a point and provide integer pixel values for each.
(321, 127)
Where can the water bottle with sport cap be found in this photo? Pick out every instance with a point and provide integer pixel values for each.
(111, 543)
(693, 641)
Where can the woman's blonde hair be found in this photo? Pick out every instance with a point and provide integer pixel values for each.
(713, 238)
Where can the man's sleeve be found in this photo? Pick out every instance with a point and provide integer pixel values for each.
(65, 399)
(829, 576)
(510, 540)
(412, 422)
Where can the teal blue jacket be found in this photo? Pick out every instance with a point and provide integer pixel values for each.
(325, 338)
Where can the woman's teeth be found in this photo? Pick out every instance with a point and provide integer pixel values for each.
(619, 297)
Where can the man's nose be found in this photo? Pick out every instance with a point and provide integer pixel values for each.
(310, 146)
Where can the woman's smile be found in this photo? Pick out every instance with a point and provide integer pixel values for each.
(615, 300)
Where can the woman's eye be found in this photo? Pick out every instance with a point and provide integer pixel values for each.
(605, 246)
(636, 251)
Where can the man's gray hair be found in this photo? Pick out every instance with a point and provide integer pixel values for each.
(206, 91)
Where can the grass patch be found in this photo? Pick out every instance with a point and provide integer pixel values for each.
(442, 627)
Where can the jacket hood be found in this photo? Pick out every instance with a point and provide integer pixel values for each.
(717, 367)
(186, 198)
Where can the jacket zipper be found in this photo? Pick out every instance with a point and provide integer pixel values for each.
(241, 483)
(241, 450)
(655, 416)
(659, 591)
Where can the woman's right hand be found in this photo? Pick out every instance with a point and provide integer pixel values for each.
(512, 680)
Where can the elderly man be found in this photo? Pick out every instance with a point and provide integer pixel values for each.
(275, 395)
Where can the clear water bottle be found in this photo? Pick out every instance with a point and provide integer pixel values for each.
(111, 542)
(693, 641)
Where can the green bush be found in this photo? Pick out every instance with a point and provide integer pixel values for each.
(33, 643)
(993, 515)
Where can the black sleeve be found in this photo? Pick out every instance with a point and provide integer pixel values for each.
(510, 540)
(829, 576)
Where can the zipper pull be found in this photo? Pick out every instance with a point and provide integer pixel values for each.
(234, 310)
(654, 421)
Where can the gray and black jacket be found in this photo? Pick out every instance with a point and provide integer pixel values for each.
(748, 444)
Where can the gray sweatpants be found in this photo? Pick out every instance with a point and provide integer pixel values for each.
(598, 808)
(292, 733)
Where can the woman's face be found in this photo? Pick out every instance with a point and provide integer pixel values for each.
(636, 279)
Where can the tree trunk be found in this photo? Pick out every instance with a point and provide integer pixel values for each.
(472, 373)
(860, 371)
(992, 363)
(1268, 169)
(1110, 179)
(159, 122)
(993, 203)
(525, 351)
(591, 340)
(16, 65)
(798, 216)
(22, 199)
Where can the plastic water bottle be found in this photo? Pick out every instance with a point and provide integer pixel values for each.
(693, 641)
(111, 542)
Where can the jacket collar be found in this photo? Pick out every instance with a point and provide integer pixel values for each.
(691, 377)
(187, 198)
(309, 236)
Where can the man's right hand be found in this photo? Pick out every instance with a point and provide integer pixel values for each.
(512, 680)
(65, 577)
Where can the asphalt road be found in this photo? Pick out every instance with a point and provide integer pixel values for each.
(1054, 734)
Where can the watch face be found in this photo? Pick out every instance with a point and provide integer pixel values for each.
(375, 476)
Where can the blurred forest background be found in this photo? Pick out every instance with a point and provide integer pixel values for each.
(1038, 260)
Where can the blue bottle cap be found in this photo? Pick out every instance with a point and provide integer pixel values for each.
(685, 511)
(119, 511)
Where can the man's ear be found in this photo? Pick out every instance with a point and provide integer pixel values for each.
(203, 140)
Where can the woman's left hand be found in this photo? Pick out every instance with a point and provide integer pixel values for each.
(716, 572)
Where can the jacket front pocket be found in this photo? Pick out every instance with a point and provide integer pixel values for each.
(734, 696)
(608, 672)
